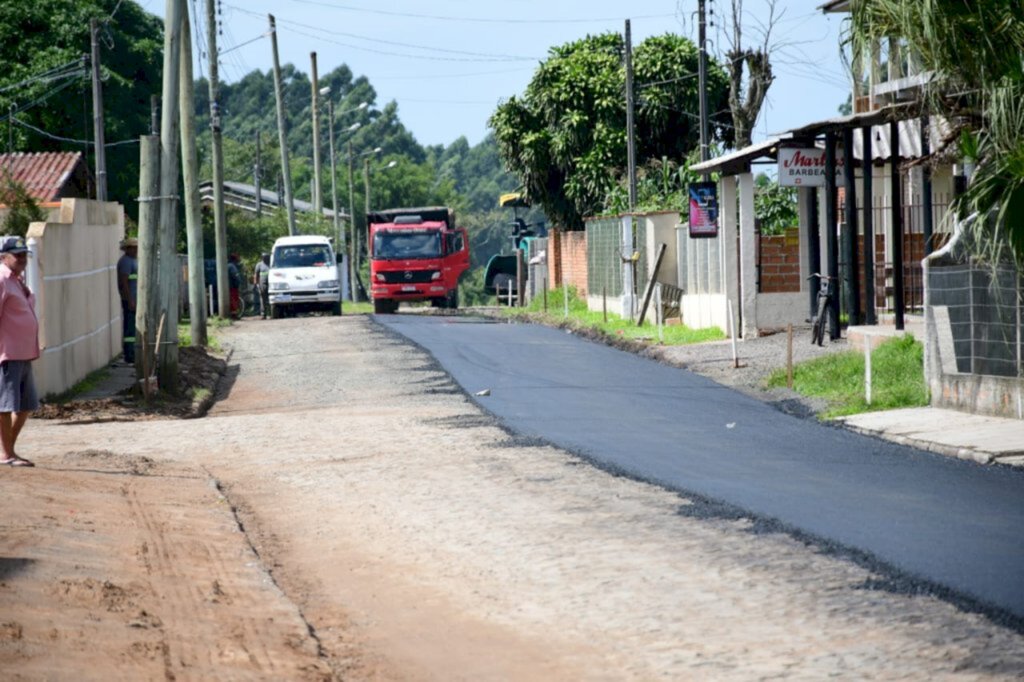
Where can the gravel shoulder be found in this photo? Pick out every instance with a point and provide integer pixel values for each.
(372, 523)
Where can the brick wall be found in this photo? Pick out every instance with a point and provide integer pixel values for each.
(567, 257)
(780, 262)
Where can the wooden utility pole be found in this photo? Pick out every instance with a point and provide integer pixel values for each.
(318, 203)
(220, 235)
(97, 114)
(630, 137)
(352, 248)
(167, 351)
(282, 132)
(147, 298)
(190, 176)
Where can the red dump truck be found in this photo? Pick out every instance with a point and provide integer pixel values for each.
(416, 254)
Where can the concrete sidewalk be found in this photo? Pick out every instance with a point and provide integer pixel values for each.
(979, 438)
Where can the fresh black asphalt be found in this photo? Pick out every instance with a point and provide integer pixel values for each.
(952, 523)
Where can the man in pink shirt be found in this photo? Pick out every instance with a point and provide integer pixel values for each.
(19, 346)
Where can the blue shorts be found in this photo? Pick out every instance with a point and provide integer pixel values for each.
(17, 389)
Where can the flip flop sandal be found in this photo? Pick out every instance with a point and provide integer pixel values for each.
(17, 462)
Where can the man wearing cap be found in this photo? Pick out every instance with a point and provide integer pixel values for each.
(19, 346)
(127, 279)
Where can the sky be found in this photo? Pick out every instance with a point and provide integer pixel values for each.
(448, 63)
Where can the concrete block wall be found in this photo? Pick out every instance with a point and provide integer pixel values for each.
(77, 303)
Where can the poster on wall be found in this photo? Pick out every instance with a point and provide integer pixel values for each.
(703, 209)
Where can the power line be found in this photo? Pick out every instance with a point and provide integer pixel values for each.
(478, 20)
(87, 143)
(376, 40)
(56, 73)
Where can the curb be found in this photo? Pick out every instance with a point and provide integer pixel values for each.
(969, 454)
(201, 407)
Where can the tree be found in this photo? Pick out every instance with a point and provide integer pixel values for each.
(747, 96)
(565, 137)
(22, 208)
(973, 50)
(41, 37)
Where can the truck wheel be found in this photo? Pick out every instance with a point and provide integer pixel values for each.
(452, 301)
(336, 308)
(381, 306)
(275, 312)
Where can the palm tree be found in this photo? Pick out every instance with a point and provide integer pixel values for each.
(974, 50)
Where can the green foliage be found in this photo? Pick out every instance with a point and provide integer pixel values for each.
(615, 327)
(40, 35)
(565, 137)
(775, 205)
(897, 368)
(973, 51)
(23, 209)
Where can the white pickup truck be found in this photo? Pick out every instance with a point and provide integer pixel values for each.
(304, 276)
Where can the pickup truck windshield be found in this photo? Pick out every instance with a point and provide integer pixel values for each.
(396, 245)
(301, 256)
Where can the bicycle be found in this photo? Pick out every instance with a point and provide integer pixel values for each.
(824, 308)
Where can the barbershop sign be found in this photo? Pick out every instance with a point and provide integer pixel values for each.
(806, 167)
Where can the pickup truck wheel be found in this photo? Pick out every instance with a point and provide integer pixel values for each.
(275, 312)
(336, 308)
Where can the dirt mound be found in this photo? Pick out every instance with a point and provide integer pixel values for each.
(198, 374)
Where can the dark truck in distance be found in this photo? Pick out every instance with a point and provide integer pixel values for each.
(416, 254)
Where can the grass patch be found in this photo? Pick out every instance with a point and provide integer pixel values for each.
(897, 378)
(91, 381)
(361, 308)
(213, 325)
(616, 326)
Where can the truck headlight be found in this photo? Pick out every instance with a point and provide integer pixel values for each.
(327, 284)
(436, 275)
(279, 286)
(381, 278)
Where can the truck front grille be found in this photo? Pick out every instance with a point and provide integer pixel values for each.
(408, 276)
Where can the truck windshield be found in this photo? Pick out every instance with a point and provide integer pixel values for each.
(301, 256)
(392, 245)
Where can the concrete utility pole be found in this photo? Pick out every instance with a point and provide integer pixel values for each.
(353, 242)
(147, 306)
(630, 136)
(318, 204)
(97, 115)
(190, 176)
(167, 349)
(334, 178)
(256, 173)
(366, 191)
(220, 235)
(154, 114)
(282, 132)
(702, 77)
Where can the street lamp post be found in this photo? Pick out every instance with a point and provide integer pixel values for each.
(354, 241)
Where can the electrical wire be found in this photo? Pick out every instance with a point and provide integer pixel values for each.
(484, 56)
(56, 73)
(87, 143)
(478, 20)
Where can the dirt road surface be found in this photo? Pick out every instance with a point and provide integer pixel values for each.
(346, 512)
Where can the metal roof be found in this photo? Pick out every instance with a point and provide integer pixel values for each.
(243, 196)
(47, 176)
(739, 161)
